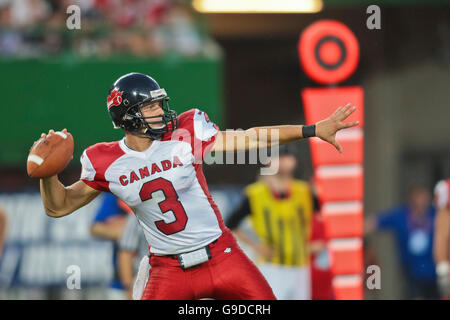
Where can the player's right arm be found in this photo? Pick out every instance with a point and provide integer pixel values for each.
(60, 200)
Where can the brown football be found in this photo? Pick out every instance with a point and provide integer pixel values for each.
(50, 155)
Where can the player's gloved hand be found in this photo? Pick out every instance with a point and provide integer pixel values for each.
(327, 128)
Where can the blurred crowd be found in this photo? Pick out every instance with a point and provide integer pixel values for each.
(38, 28)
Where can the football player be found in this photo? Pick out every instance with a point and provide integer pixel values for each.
(156, 169)
(442, 236)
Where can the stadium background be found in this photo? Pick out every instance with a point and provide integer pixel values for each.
(243, 70)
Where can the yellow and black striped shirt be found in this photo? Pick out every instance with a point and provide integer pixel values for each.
(282, 223)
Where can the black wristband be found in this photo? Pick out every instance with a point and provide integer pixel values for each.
(309, 131)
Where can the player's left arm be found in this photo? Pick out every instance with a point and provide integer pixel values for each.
(264, 137)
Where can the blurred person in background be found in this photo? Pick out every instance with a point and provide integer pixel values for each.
(25, 13)
(145, 28)
(321, 277)
(132, 247)
(280, 209)
(109, 223)
(11, 40)
(413, 227)
(3, 221)
(442, 237)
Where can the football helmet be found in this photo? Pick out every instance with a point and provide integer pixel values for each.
(128, 95)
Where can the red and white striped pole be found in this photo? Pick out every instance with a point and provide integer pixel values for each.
(329, 54)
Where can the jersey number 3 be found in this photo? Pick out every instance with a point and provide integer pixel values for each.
(170, 203)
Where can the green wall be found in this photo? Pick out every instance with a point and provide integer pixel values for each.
(37, 95)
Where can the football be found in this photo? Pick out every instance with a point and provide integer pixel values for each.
(50, 155)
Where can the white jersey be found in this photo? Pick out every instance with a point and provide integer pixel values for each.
(164, 185)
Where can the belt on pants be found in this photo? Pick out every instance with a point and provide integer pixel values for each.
(193, 258)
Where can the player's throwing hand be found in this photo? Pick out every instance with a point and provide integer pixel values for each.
(327, 128)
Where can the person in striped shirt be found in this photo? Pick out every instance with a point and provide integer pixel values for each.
(280, 209)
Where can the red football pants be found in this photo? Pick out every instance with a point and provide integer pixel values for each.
(228, 275)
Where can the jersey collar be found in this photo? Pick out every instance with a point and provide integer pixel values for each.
(140, 154)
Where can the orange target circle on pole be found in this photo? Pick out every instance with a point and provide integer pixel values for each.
(328, 51)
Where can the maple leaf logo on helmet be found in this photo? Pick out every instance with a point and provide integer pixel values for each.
(114, 98)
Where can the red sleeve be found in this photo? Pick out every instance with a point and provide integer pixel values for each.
(195, 128)
(95, 161)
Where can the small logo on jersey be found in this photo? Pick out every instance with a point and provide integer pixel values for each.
(227, 250)
(114, 98)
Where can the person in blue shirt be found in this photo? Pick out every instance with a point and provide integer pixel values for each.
(109, 223)
(413, 227)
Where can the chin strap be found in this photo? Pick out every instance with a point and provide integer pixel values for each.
(151, 135)
(147, 134)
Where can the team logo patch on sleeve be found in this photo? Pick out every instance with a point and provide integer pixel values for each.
(114, 98)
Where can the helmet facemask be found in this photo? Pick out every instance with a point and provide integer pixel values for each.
(135, 120)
